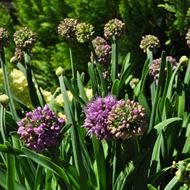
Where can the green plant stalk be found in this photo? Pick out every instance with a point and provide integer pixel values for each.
(2, 124)
(72, 65)
(74, 137)
(7, 86)
(48, 179)
(32, 90)
(10, 172)
(114, 60)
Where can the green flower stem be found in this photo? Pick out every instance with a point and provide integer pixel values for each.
(10, 172)
(114, 63)
(32, 90)
(72, 64)
(2, 124)
(7, 86)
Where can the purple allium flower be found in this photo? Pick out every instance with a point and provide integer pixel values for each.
(84, 32)
(102, 49)
(67, 28)
(96, 116)
(155, 66)
(40, 129)
(127, 119)
(149, 41)
(4, 37)
(24, 38)
(188, 37)
(114, 27)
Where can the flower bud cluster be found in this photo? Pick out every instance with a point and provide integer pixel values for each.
(114, 27)
(24, 40)
(84, 32)
(4, 38)
(188, 38)
(40, 129)
(155, 66)
(133, 83)
(149, 41)
(67, 28)
(102, 49)
(108, 118)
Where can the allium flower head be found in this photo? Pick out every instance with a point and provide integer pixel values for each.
(127, 119)
(188, 38)
(4, 37)
(96, 116)
(155, 66)
(102, 49)
(84, 32)
(4, 100)
(24, 38)
(40, 129)
(149, 41)
(67, 28)
(98, 41)
(114, 27)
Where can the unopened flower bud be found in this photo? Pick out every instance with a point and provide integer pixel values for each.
(183, 60)
(4, 100)
(59, 71)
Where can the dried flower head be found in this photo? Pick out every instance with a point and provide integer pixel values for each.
(127, 119)
(40, 129)
(24, 38)
(98, 41)
(67, 28)
(84, 32)
(188, 37)
(4, 37)
(114, 27)
(96, 116)
(155, 66)
(149, 41)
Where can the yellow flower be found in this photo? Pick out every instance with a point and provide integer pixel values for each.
(47, 95)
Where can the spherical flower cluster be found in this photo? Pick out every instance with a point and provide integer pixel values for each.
(102, 49)
(4, 37)
(40, 129)
(149, 41)
(188, 38)
(108, 118)
(24, 38)
(96, 116)
(155, 66)
(84, 32)
(4, 100)
(67, 28)
(127, 119)
(114, 27)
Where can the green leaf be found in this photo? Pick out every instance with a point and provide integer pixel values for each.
(187, 75)
(115, 87)
(81, 88)
(92, 75)
(10, 172)
(47, 163)
(171, 184)
(150, 187)
(161, 126)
